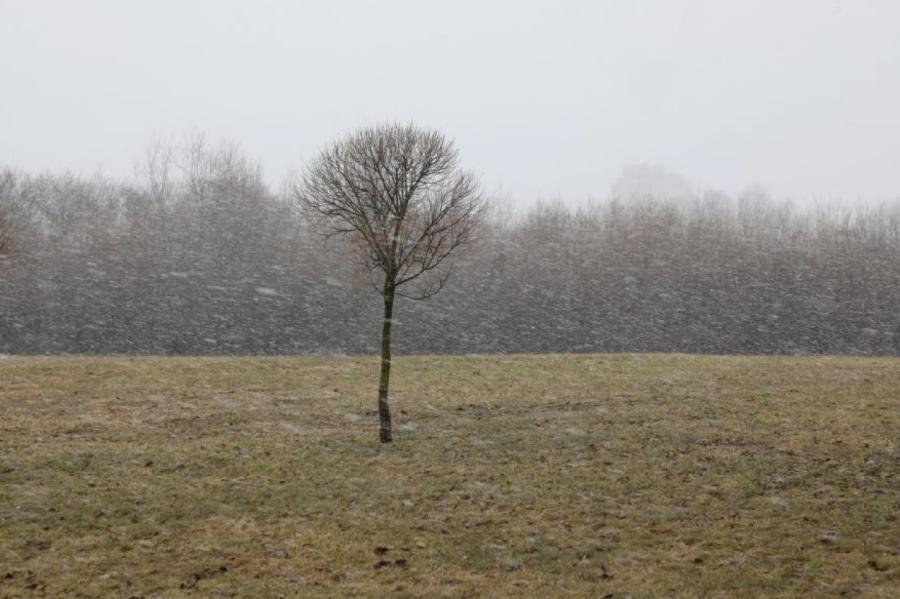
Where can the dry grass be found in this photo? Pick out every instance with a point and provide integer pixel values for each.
(512, 476)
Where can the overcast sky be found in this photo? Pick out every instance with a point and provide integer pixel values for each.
(544, 98)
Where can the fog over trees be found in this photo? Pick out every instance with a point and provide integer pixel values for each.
(197, 255)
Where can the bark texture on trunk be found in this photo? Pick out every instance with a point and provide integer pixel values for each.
(384, 413)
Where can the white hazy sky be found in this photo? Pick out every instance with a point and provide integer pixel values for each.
(544, 98)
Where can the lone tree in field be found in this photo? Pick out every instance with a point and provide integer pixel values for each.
(398, 194)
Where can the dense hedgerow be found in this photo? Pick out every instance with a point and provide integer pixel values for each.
(198, 256)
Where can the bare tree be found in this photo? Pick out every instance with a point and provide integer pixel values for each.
(398, 194)
(8, 184)
(5, 232)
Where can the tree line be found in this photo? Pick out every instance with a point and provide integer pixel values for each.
(196, 254)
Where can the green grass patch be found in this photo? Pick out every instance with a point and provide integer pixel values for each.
(585, 475)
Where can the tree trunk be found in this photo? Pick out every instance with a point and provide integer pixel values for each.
(384, 413)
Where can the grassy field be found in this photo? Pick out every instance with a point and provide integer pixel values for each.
(593, 476)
